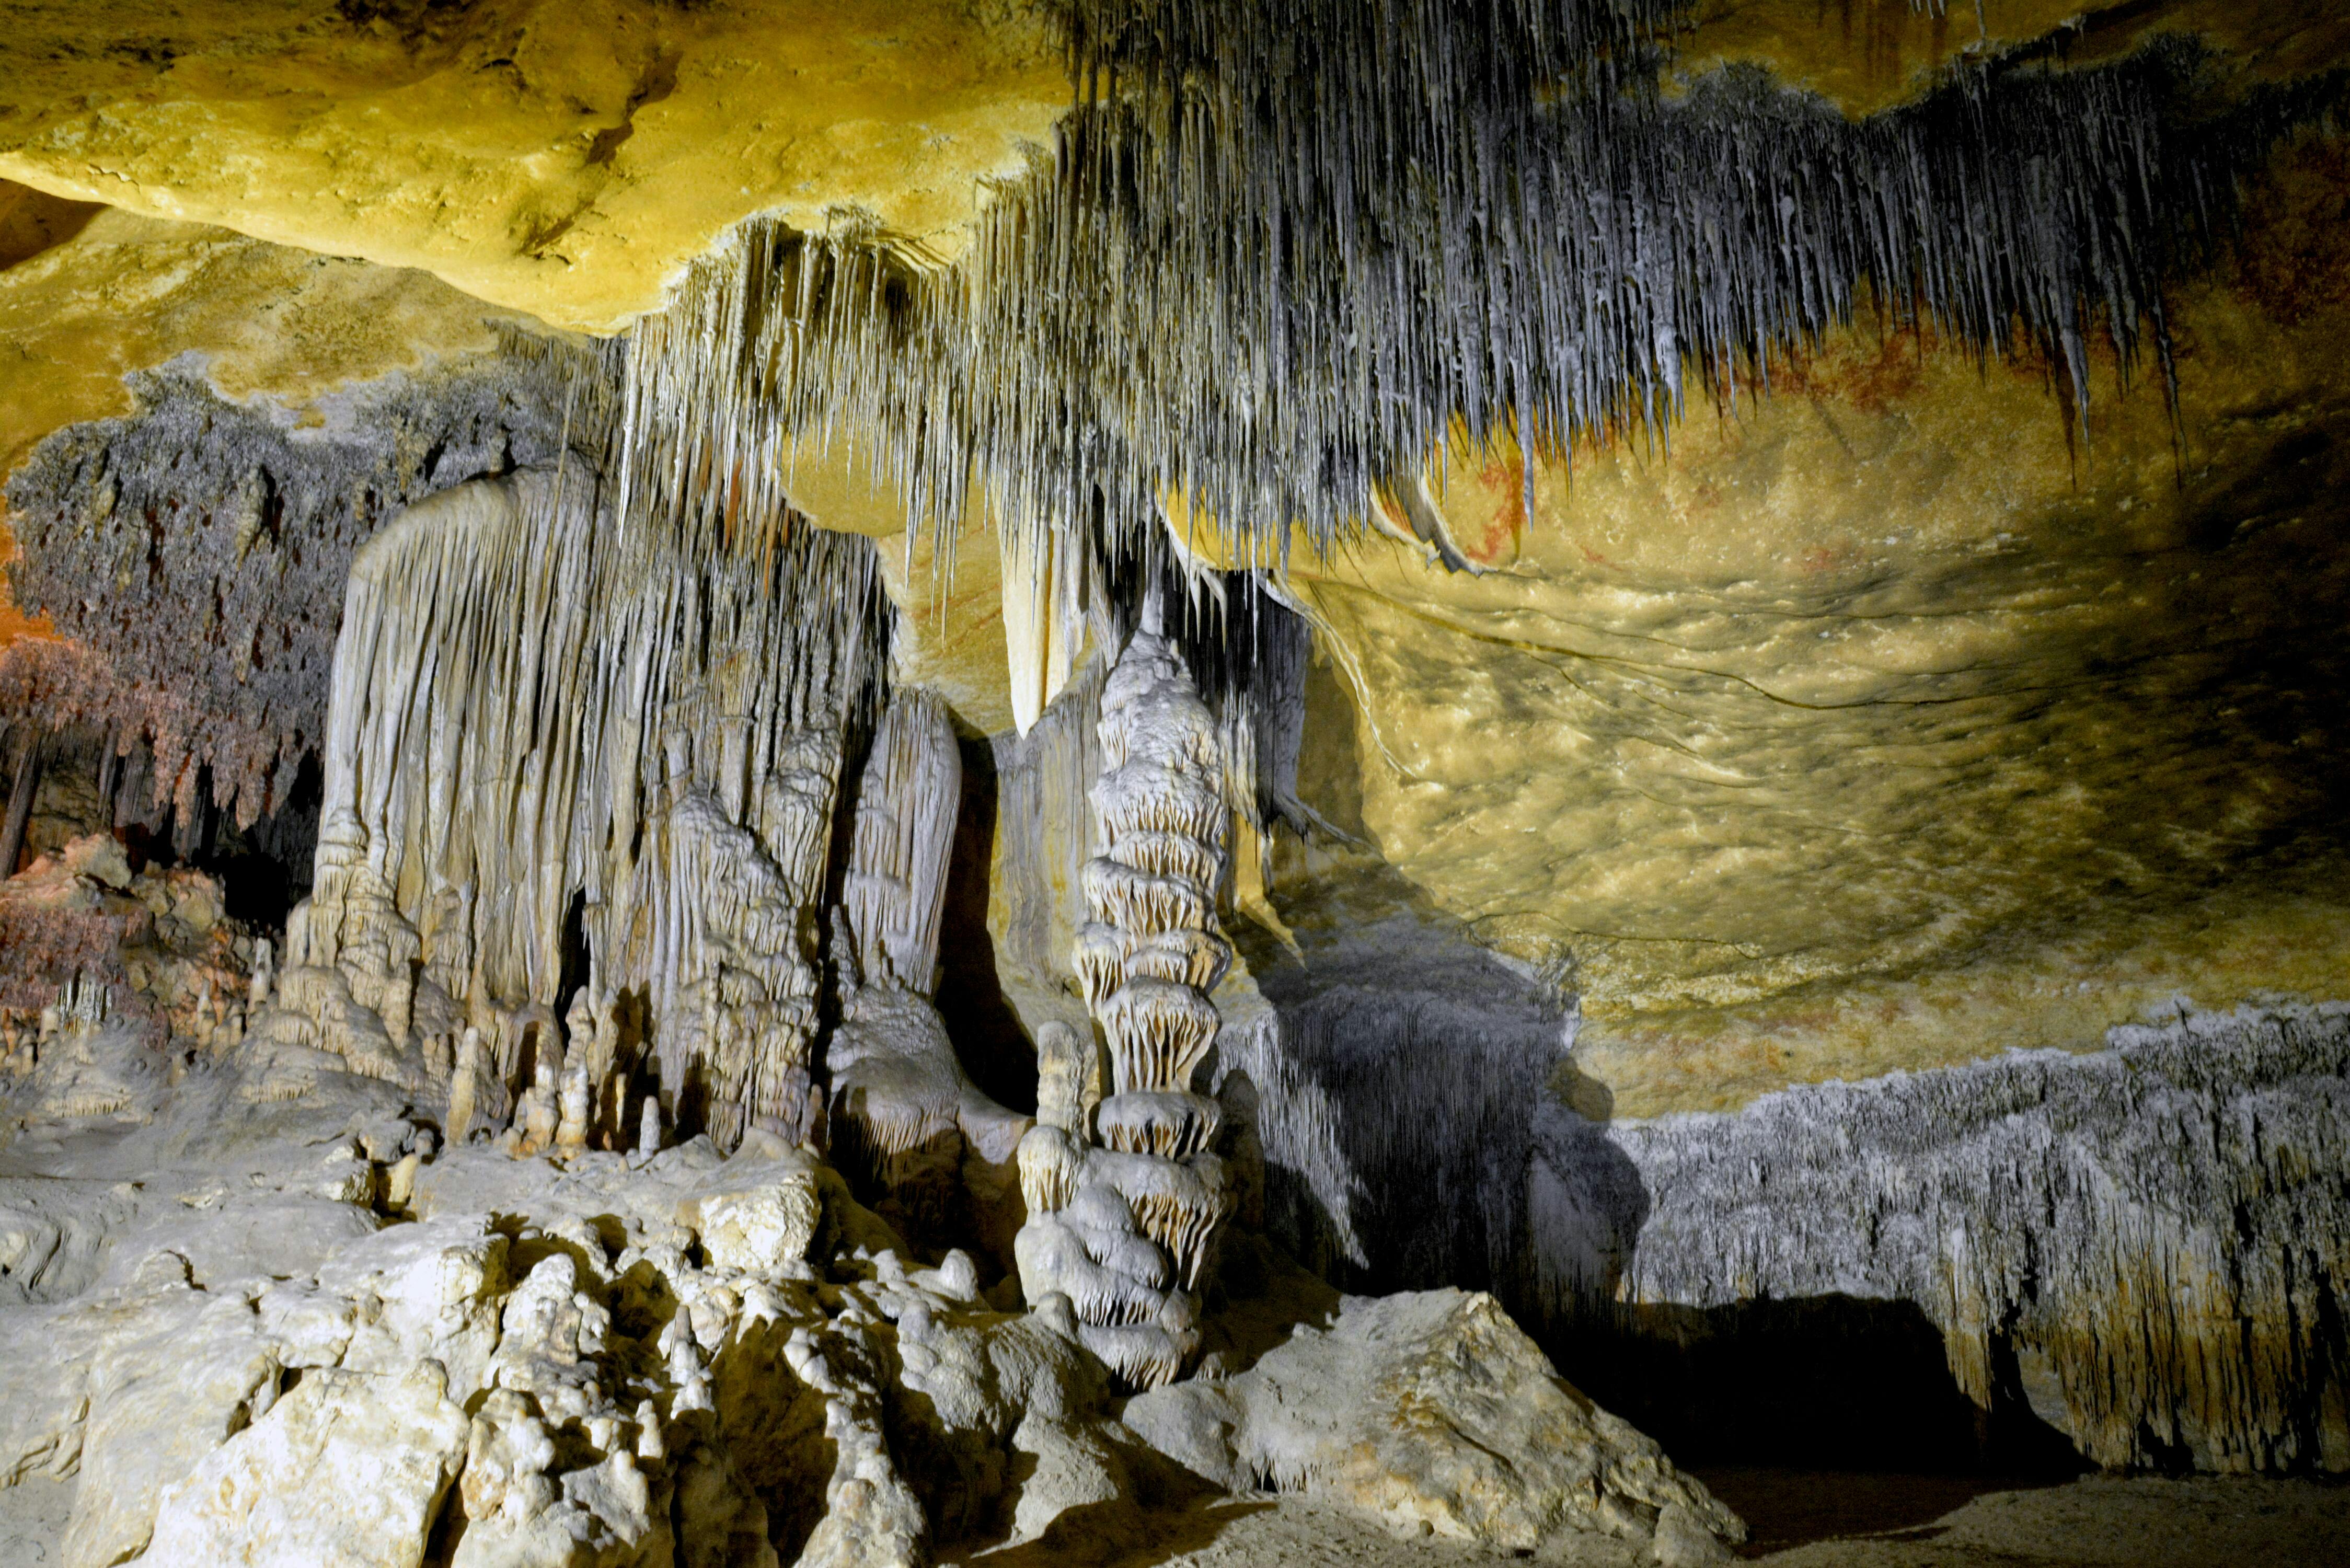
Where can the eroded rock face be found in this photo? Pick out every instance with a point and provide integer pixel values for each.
(2138, 1245)
(347, 1470)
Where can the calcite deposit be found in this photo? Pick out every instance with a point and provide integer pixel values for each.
(1131, 782)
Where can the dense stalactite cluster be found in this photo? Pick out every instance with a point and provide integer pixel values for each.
(1345, 229)
(556, 746)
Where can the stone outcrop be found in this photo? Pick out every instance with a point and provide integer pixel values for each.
(685, 1358)
(1436, 1413)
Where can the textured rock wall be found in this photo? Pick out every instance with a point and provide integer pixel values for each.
(196, 549)
(2140, 1248)
(2147, 1244)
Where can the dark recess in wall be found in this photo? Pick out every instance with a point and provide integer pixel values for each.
(996, 1051)
(1830, 1382)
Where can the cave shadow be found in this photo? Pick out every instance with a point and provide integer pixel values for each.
(1179, 1514)
(995, 1050)
(1825, 1383)
(1460, 1145)
(1399, 1078)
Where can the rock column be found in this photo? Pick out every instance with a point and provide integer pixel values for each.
(1125, 1193)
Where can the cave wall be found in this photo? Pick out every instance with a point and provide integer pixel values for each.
(2143, 1245)
(192, 556)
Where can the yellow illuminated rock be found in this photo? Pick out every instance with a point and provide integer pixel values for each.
(1866, 56)
(564, 156)
(119, 293)
(951, 630)
(1879, 722)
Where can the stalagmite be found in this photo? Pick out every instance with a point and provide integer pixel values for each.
(465, 1080)
(571, 1099)
(538, 1118)
(1124, 1191)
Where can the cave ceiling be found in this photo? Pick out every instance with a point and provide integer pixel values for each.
(1883, 716)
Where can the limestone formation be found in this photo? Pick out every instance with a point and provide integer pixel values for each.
(2135, 1245)
(1124, 1191)
(1434, 1412)
(225, 662)
(1518, 666)
(529, 716)
(904, 1112)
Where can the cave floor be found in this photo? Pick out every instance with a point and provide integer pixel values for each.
(1801, 1519)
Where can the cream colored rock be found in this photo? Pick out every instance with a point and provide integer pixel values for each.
(762, 1217)
(178, 1371)
(1124, 1231)
(1071, 1468)
(347, 1470)
(1432, 1411)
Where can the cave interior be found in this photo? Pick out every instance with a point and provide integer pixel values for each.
(1174, 781)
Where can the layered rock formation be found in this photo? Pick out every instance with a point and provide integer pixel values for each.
(1125, 1188)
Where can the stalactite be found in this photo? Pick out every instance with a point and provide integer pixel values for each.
(541, 722)
(1339, 227)
(904, 1116)
(897, 886)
